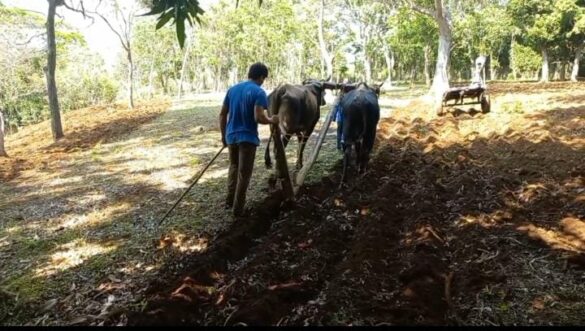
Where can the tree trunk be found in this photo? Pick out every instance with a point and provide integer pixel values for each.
(130, 77)
(576, 62)
(492, 69)
(185, 57)
(367, 68)
(2, 149)
(326, 57)
(163, 83)
(441, 79)
(562, 74)
(513, 60)
(544, 77)
(412, 75)
(150, 80)
(56, 126)
(427, 53)
(389, 58)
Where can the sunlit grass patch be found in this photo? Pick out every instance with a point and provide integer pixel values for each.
(72, 254)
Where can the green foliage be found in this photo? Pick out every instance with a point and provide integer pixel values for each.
(525, 58)
(482, 31)
(180, 11)
(413, 32)
(80, 75)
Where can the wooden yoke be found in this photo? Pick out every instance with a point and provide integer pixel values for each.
(281, 165)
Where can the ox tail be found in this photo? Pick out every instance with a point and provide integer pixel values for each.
(267, 160)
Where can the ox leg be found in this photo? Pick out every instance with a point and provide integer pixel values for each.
(359, 156)
(346, 160)
(285, 140)
(302, 143)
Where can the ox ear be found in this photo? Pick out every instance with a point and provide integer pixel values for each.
(378, 88)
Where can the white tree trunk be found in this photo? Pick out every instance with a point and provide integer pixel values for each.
(367, 68)
(389, 58)
(326, 57)
(576, 62)
(183, 67)
(544, 77)
(427, 53)
(441, 79)
(2, 149)
(130, 77)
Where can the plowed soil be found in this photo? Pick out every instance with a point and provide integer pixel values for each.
(465, 219)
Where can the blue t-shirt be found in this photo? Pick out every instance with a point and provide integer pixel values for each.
(241, 100)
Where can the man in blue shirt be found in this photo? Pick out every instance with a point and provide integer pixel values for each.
(243, 108)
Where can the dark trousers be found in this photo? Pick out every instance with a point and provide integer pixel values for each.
(241, 165)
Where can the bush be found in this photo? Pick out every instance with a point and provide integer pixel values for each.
(525, 60)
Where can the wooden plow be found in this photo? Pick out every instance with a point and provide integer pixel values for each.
(291, 187)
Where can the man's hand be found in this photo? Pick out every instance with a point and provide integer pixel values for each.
(223, 141)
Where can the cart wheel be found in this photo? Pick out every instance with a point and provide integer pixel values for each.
(485, 105)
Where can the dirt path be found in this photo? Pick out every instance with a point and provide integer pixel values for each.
(462, 220)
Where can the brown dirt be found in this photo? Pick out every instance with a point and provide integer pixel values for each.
(473, 219)
(84, 128)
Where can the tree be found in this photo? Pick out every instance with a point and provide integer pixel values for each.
(540, 24)
(440, 11)
(2, 148)
(180, 11)
(575, 19)
(56, 126)
(413, 40)
(154, 68)
(325, 54)
(124, 13)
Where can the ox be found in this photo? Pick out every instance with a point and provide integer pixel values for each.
(298, 110)
(360, 114)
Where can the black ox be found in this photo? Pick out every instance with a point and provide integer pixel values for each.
(298, 110)
(360, 116)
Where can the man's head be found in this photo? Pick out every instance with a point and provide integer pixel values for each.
(258, 72)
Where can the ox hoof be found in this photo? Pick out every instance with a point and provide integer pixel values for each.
(272, 183)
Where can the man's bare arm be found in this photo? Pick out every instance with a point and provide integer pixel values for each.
(262, 117)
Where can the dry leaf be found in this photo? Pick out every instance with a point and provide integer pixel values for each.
(538, 304)
(78, 320)
(114, 279)
(49, 305)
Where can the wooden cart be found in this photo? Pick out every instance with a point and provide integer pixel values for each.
(474, 94)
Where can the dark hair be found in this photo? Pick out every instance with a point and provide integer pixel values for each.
(257, 70)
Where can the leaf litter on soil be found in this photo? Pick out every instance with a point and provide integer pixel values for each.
(466, 219)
